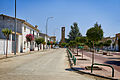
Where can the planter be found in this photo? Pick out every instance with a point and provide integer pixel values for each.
(104, 53)
(94, 68)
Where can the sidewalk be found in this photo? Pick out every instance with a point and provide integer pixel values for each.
(2, 56)
(87, 61)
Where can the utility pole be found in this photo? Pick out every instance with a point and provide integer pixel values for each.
(15, 29)
(46, 29)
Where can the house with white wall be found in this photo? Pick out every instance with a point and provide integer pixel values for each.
(112, 45)
(23, 28)
(46, 38)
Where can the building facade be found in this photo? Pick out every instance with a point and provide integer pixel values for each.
(45, 37)
(112, 45)
(117, 45)
(23, 28)
(53, 38)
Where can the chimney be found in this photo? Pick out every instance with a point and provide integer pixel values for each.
(36, 26)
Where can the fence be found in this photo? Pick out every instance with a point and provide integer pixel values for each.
(73, 57)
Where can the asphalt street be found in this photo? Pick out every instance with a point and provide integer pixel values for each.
(47, 65)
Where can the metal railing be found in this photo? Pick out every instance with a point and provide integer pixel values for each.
(73, 57)
(103, 65)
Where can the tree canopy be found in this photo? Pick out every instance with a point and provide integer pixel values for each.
(89, 43)
(74, 32)
(6, 32)
(95, 33)
(39, 40)
(63, 44)
(107, 43)
(72, 43)
(81, 39)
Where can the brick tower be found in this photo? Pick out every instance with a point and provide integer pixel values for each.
(62, 35)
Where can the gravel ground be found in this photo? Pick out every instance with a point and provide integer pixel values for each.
(47, 65)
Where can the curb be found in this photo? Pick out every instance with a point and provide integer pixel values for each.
(21, 54)
(71, 66)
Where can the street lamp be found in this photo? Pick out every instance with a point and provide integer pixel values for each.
(15, 29)
(46, 28)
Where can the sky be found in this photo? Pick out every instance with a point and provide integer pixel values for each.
(65, 12)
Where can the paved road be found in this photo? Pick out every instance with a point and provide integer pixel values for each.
(101, 59)
(47, 65)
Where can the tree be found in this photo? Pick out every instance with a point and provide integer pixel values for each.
(72, 44)
(83, 40)
(67, 45)
(80, 41)
(63, 44)
(39, 41)
(89, 44)
(81, 46)
(67, 40)
(107, 43)
(74, 32)
(94, 34)
(6, 33)
(43, 44)
(48, 43)
(98, 45)
(101, 44)
(77, 39)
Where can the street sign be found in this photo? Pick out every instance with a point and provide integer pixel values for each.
(80, 47)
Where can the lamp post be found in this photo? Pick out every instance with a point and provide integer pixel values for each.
(15, 29)
(46, 28)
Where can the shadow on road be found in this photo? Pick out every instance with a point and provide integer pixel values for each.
(69, 69)
(113, 58)
(117, 63)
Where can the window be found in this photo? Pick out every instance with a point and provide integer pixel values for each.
(24, 28)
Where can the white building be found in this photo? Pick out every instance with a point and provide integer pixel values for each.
(23, 28)
(112, 45)
(46, 38)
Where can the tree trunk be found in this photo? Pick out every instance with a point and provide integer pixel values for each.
(38, 47)
(107, 50)
(6, 48)
(43, 46)
(77, 49)
(93, 54)
(82, 53)
(90, 48)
